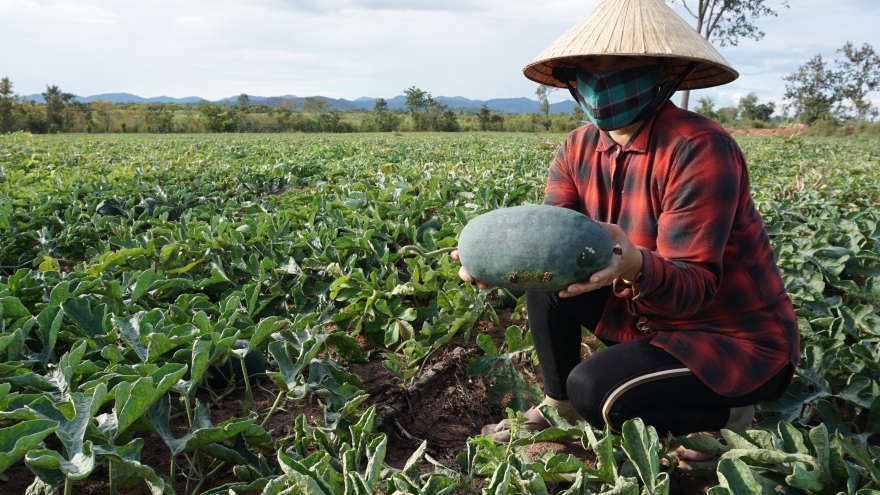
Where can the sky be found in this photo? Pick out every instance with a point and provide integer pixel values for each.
(355, 48)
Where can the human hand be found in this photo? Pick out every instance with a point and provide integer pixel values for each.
(626, 263)
(464, 275)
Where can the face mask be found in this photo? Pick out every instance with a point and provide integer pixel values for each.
(612, 99)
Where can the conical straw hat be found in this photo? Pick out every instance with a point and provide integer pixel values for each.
(640, 28)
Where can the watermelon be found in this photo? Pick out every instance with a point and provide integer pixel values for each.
(534, 247)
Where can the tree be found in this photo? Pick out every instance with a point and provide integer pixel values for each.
(56, 101)
(750, 109)
(417, 100)
(859, 75)
(727, 21)
(706, 108)
(244, 101)
(578, 114)
(484, 116)
(727, 114)
(385, 120)
(496, 122)
(315, 105)
(104, 112)
(7, 103)
(812, 92)
(381, 106)
(428, 114)
(543, 92)
(218, 118)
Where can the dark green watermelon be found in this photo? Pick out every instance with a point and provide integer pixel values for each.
(838, 252)
(219, 376)
(534, 247)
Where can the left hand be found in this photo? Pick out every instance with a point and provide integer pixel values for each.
(625, 265)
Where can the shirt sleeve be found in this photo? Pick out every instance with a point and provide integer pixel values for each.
(561, 187)
(699, 204)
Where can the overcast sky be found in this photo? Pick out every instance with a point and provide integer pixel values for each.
(353, 48)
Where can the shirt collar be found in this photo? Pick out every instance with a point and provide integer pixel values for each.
(639, 143)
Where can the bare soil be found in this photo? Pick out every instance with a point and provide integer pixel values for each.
(782, 131)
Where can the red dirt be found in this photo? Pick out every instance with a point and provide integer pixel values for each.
(782, 131)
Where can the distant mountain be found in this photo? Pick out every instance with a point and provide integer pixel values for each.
(125, 98)
(504, 105)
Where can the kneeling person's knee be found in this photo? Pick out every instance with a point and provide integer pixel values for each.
(586, 394)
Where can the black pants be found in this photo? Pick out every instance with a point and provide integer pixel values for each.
(627, 380)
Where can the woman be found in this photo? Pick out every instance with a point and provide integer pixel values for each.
(692, 307)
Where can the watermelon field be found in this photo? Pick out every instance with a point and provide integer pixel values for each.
(140, 275)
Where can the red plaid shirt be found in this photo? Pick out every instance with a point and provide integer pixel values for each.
(710, 292)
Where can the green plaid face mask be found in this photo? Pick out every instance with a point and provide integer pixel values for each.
(613, 98)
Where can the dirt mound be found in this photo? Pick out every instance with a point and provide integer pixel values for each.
(782, 131)
(443, 405)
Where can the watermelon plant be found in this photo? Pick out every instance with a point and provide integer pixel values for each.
(134, 267)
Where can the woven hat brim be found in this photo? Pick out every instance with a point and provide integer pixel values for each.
(706, 75)
(634, 28)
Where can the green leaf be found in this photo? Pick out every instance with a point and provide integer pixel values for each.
(622, 486)
(49, 321)
(641, 445)
(88, 320)
(703, 443)
(304, 478)
(606, 465)
(862, 458)
(18, 439)
(78, 467)
(486, 344)
(134, 399)
(806, 477)
(265, 328)
(289, 370)
(72, 428)
(127, 458)
(143, 283)
(736, 476)
(201, 355)
(792, 439)
(500, 482)
(201, 433)
(509, 381)
(130, 331)
(11, 308)
(413, 466)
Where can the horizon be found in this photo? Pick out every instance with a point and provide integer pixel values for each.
(346, 49)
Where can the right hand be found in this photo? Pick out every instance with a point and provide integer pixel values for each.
(467, 277)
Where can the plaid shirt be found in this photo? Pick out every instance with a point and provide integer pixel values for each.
(710, 292)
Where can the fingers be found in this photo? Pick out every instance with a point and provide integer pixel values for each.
(597, 280)
(454, 255)
(467, 277)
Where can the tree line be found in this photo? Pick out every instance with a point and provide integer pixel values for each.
(60, 112)
(817, 94)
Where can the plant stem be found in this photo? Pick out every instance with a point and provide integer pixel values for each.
(421, 252)
(207, 476)
(189, 414)
(171, 471)
(110, 476)
(68, 486)
(247, 384)
(272, 409)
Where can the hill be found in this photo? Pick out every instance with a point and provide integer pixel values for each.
(504, 105)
